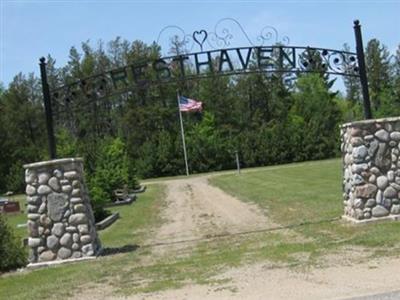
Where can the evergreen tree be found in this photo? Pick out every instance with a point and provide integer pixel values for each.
(320, 116)
(377, 63)
(312, 61)
(21, 119)
(396, 75)
(260, 115)
(352, 84)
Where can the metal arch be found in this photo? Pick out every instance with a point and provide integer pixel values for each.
(106, 84)
(269, 59)
(127, 89)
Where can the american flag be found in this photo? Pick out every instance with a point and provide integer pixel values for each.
(186, 104)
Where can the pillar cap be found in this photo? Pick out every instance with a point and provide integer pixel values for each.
(370, 121)
(53, 162)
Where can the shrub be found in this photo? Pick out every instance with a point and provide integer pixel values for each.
(12, 254)
(66, 143)
(99, 198)
(15, 178)
(112, 172)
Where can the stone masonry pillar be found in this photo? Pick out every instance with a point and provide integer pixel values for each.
(371, 169)
(60, 218)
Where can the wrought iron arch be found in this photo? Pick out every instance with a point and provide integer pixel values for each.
(215, 56)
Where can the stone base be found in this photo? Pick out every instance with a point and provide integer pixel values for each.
(371, 220)
(371, 169)
(61, 223)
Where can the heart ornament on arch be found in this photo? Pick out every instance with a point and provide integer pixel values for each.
(200, 37)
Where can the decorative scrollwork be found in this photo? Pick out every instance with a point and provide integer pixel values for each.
(328, 61)
(180, 38)
(70, 96)
(270, 35)
(222, 36)
(223, 32)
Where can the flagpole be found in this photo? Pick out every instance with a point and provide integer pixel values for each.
(183, 136)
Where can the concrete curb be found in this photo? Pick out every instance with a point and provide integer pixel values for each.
(107, 221)
(372, 220)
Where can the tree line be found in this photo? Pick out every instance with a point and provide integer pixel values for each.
(268, 118)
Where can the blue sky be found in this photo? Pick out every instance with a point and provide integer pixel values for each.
(31, 29)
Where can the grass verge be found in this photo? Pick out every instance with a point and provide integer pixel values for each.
(310, 195)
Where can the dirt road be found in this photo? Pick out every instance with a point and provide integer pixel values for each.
(195, 209)
(260, 282)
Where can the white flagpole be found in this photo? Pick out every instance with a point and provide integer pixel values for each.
(183, 137)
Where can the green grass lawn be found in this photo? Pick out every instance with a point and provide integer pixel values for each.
(311, 194)
(304, 197)
(291, 194)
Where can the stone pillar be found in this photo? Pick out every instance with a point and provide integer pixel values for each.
(60, 218)
(371, 169)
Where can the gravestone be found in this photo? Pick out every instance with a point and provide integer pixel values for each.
(58, 208)
(11, 207)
